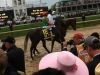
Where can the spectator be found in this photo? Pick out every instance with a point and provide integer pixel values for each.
(78, 49)
(15, 54)
(10, 25)
(92, 45)
(65, 61)
(83, 17)
(5, 67)
(24, 21)
(49, 71)
(95, 34)
(97, 69)
(50, 18)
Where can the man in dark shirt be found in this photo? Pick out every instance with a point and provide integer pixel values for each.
(92, 46)
(5, 67)
(15, 54)
(83, 17)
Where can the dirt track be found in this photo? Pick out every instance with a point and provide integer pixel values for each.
(32, 66)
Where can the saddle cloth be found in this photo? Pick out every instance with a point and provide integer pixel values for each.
(47, 33)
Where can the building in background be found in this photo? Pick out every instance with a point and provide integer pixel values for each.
(72, 6)
(21, 9)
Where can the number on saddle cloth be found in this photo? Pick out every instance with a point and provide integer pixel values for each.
(46, 32)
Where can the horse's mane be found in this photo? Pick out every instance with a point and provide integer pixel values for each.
(59, 21)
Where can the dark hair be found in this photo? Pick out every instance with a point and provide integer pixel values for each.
(49, 71)
(95, 34)
(95, 45)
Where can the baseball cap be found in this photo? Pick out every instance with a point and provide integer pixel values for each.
(90, 40)
(9, 39)
(78, 35)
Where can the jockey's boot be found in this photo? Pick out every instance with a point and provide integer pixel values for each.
(51, 34)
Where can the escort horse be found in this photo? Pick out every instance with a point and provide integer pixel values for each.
(36, 35)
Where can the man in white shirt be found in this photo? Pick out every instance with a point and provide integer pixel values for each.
(10, 24)
(50, 17)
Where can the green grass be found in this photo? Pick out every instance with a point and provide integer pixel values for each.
(89, 18)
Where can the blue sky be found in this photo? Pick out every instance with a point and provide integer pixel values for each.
(49, 2)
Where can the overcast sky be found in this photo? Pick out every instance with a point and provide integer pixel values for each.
(9, 2)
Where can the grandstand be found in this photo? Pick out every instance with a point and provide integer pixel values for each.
(70, 6)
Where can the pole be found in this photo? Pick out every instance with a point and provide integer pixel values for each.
(6, 3)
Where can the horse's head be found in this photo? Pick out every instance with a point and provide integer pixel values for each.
(71, 22)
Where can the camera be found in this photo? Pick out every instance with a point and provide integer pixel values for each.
(70, 42)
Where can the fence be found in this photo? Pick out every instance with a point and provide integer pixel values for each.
(11, 32)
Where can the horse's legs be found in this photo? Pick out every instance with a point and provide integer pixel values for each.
(36, 51)
(44, 45)
(59, 41)
(31, 48)
(34, 46)
(52, 45)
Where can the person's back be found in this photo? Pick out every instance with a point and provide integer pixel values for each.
(50, 17)
(5, 67)
(15, 54)
(44, 21)
(16, 58)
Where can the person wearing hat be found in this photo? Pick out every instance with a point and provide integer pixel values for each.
(49, 71)
(15, 54)
(45, 20)
(50, 17)
(78, 49)
(46, 24)
(92, 46)
(65, 61)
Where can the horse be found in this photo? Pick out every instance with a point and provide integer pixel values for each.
(36, 35)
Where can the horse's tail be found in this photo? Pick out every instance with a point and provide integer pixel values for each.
(25, 42)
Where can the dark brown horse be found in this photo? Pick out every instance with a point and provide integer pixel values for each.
(36, 35)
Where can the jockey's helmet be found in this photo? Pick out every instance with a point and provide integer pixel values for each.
(44, 13)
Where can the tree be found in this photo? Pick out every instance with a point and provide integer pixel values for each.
(53, 7)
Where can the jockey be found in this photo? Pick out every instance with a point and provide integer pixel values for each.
(50, 17)
(45, 21)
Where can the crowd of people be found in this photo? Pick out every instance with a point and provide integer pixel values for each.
(82, 59)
